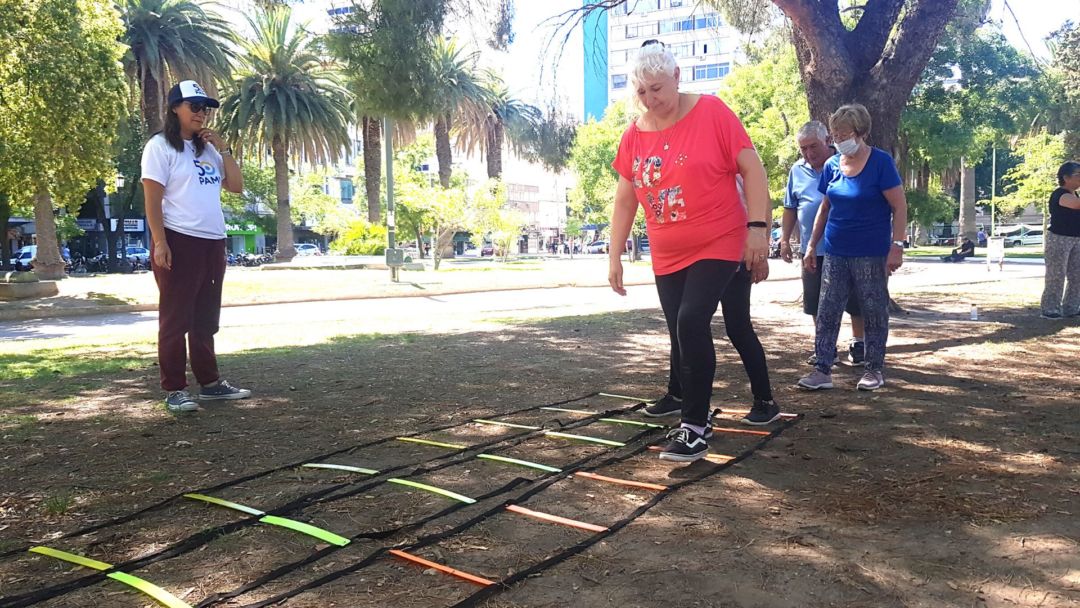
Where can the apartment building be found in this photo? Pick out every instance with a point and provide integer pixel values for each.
(704, 46)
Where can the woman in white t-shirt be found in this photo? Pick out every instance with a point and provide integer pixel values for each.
(184, 168)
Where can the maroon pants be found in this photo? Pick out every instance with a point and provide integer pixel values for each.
(189, 304)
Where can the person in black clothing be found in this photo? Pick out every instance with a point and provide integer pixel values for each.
(965, 250)
(1063, 247)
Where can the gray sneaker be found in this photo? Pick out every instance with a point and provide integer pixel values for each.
(180, 401)
(815, 380)
(871, 381)
(223, 390)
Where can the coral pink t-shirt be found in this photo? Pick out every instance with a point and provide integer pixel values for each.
(684, 177)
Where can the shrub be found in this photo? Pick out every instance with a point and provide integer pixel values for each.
(361, 238)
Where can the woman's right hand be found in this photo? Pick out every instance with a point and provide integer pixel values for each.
(615, 275)
(162, 255)
(809, 260)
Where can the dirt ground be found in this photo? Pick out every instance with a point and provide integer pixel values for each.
(956, 485)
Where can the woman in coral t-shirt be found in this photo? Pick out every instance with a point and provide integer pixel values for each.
(679, 160)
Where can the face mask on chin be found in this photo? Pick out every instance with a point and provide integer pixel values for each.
(848, 147)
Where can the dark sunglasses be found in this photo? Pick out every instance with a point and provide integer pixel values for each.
(197, 107)
(653, 41)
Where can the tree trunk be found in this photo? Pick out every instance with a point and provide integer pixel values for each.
(922, 184)
(445, 243)
(372, 166)
(436, 254)
(442, 149)
(98, 196)
(5, 244)
(877, 64)
(420, 242)
(967, 201)
(151, 101)
(494, 135)
(285, 250)
(48, 265)
(119, 211)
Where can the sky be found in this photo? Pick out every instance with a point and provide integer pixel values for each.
(1037, 19)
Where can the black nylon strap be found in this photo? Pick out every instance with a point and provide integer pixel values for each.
(487, 592)
(317, 497)
(232, 482)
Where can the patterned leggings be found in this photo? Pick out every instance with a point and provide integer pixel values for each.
(869, 280)
(1062, 274)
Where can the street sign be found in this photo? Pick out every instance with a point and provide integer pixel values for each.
(395, 257)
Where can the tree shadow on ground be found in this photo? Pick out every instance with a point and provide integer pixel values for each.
(916, 495)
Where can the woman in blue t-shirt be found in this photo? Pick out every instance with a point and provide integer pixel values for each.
(860, 229)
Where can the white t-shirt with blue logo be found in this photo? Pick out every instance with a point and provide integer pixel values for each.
(192, 201)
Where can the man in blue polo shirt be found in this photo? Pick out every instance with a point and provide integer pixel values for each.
(801, 202)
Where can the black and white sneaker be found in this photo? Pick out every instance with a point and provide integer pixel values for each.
(684, 445)
(180, 401)
(708, 425)
(665, 406)
(763, 412)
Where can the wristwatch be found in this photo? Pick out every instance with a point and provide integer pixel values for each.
(899, 244)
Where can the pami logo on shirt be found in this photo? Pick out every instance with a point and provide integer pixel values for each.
(207, 173)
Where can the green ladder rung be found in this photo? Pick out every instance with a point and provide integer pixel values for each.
(617, 444)
(273, 520)
(162, 596)
(340, 467)
(438, 444)
(433, 489)
(623, 397)
(569, 411)
(508, 424)
(226, 503)
(310, 530)
(632, 423)
(523, 463)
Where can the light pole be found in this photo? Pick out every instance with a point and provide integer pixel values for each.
(120, 224)
(993, 187)
(395, 257)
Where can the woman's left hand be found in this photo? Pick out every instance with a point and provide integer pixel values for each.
(895, 259)
(212, 138)
(756, 254)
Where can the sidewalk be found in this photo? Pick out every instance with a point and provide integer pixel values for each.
(322, 279)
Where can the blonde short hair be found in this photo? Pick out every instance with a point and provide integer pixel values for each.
(652, 60)
(854, 116)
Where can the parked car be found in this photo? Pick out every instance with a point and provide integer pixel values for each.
(487, 249)
(597, 247)
(1031, 237)
(142, 254)
(307, 249)
(24, 257)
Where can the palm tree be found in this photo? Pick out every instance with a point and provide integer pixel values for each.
(372, 168)
(172, 40)
(461, 98)
(287, 100)
(506, 115)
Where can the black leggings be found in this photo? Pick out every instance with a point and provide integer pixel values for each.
(689, 298)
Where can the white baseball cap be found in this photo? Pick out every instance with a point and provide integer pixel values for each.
(189, 90)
